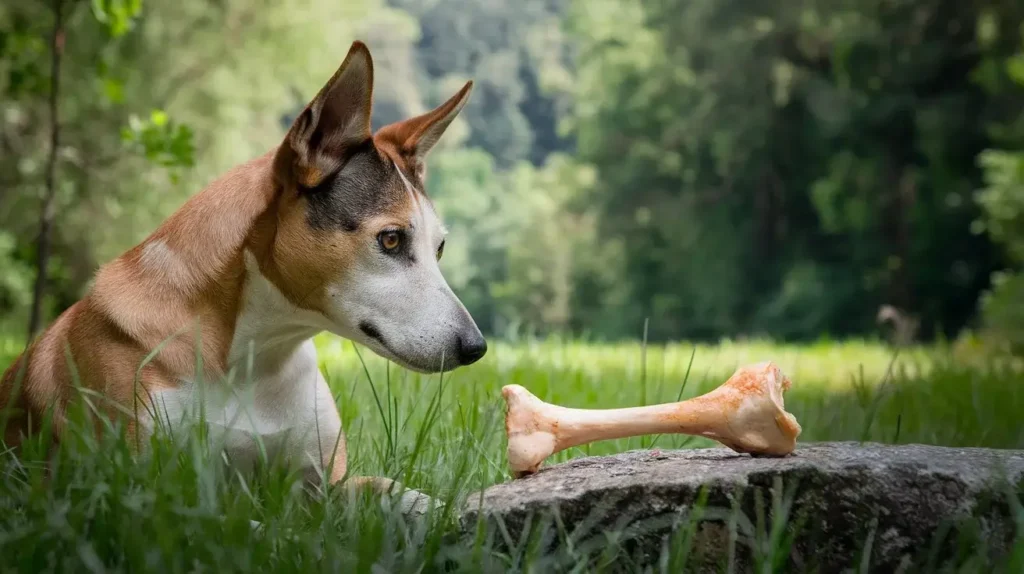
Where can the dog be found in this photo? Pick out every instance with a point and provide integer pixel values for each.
(331, 231)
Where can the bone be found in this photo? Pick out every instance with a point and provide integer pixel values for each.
(745, 414)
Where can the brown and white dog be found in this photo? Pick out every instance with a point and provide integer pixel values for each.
(332, 231)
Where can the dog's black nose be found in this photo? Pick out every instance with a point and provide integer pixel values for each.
(472, 346)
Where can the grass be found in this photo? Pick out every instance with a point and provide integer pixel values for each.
(97, 507)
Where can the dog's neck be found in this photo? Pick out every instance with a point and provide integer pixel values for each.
(269, 328)
(195, 282)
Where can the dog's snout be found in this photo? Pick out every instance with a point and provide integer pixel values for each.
(472, 346)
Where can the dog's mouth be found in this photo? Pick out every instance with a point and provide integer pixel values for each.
(371, 331)
(378, 344)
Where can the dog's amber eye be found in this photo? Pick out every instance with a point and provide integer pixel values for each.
(440, 251)
(389, 240)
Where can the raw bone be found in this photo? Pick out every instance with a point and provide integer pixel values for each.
(745, 414)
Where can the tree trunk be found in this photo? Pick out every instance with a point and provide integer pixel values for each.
(47, 213)
(896, 213)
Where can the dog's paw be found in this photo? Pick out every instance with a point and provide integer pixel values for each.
(415, 503)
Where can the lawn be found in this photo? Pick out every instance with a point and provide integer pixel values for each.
(178, 509)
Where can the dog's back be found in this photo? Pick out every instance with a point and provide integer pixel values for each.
(177, 289)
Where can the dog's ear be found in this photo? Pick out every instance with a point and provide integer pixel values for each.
(335, 122)
(415, 137)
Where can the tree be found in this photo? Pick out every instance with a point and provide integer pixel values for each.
(153, 104)
(516, 54)
(786, 168)
(1002, 197)
(46, 213)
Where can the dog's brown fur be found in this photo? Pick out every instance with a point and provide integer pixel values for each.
(183, 285)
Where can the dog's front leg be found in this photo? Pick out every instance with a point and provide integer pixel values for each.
(335, 463)
(410, 502)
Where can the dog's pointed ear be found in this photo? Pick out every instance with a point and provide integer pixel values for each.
(415, 137)
(335, 122)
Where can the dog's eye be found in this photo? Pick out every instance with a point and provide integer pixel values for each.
(440, 250)
(389, 240)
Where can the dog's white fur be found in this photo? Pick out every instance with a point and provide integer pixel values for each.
(279, 400)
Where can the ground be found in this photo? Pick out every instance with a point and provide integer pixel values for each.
(177, 510)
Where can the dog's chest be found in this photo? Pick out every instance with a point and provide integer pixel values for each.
(275, 397)
(259, 401)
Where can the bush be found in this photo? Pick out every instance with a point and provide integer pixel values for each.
(1002, 203)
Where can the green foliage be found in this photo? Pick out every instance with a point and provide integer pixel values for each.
(548, 241)
(1003, 311)
(118, 15)
(517, 241)
(467, 192)
(518, 58)
(1002, 200)
(788, 168)
(147, 90)
(714, 168)
(16, 279)
(160, 140)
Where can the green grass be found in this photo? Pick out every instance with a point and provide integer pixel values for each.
(97, 507)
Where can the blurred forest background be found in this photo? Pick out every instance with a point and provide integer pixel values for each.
(721, 168)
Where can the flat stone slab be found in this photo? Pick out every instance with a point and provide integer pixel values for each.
(840, 503)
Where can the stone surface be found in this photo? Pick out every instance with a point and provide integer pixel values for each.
(840, 502)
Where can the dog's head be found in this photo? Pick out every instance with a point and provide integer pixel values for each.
(357, 238)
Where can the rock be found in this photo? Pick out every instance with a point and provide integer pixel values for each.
(831, 505)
